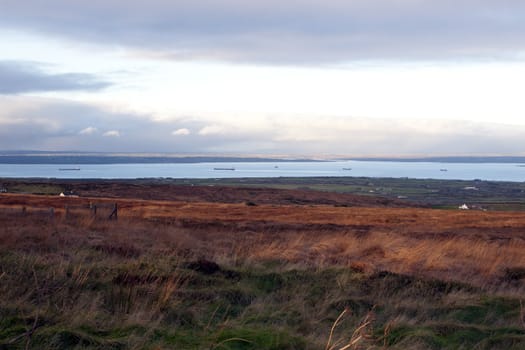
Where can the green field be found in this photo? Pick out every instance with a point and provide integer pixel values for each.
(492, 195)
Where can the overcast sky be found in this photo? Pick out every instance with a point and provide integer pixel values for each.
(302, 77)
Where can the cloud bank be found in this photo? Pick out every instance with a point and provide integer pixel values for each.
(24, 77)
(284, 32)
(47, 124)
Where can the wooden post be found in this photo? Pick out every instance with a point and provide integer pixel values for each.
(24, 211)
(114, 213)
(67, 211)
(52, 213)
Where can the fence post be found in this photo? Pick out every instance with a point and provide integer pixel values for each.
(67, 211)
(52, 213)
(114, 213)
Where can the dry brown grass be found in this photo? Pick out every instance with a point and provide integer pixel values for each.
(476, 247)
(140, 278)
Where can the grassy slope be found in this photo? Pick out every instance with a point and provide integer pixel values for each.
(143, 283)
(91, 284)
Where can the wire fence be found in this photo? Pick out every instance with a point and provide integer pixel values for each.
(99, 211)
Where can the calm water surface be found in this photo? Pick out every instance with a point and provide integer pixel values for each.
(463, 171)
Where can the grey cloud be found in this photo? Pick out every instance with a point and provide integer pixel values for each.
(289, 32)
(55, 125)
(23, 77)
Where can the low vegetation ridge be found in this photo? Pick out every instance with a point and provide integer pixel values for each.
(129, 159)
(448, 194)
(455, 159)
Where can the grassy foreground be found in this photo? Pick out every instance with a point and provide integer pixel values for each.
(141, 283)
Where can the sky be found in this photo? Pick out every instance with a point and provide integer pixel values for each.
(328, 78)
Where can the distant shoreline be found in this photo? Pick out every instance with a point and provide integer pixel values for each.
(61, 158)
(489, 159)
(110, 159)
